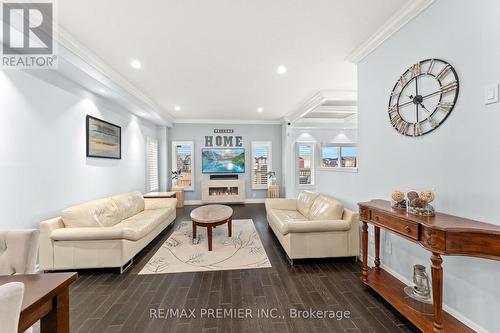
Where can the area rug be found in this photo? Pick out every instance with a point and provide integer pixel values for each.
(180, 254)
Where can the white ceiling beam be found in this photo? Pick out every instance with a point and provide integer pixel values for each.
(317, 100)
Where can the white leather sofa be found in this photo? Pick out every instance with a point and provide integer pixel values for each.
(314, 226)
(103, 233)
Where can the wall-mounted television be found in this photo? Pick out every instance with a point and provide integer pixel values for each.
(223, 160)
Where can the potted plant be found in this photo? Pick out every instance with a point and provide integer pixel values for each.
(175, 177)
(271, 178)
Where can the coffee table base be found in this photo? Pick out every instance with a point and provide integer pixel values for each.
(211, 226)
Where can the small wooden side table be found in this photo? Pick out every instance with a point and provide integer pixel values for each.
(179, 194)
(273, 191)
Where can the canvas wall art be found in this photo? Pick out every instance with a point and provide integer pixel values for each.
(103, 139)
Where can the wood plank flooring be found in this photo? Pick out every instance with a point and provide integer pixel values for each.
(105, 301)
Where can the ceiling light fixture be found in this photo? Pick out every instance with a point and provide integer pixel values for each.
(260, 110)
(135, 64)
(281, 69)
(102, 91)
(177, 108)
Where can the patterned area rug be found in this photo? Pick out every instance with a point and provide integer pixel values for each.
(179, 254)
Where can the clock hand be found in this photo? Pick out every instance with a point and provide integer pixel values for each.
(416, 94)
(431, 94)
(423, 106)
(406, 103)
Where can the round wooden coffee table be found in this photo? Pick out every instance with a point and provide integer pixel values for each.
(210, 216)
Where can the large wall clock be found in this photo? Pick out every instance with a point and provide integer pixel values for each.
(423, 97)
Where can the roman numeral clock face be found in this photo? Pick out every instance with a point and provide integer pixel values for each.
(423, 97)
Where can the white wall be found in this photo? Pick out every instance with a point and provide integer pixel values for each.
(320, 136)
(459, 160)
(250, 132)
(43, 167)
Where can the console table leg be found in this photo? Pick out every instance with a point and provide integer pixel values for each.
(365, 251)
(437, 292)
(377, 248)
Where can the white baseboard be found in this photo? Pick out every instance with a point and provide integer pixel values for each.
(247, 201)
(448, 309)
(255, 200)
(192, 202)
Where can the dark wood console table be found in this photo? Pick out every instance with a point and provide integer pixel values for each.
(441, 235)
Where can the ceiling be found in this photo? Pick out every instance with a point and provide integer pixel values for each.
(217, 59)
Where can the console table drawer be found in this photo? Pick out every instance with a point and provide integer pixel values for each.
(401, 226)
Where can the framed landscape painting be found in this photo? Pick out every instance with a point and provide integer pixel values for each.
(104, 140)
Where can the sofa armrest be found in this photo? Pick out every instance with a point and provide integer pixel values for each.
(353, 219)
(46, 255)
(315, 226)
(350, 216)
(157, 203)
(281, 203)
(81, 234)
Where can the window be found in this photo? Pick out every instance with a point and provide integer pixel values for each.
(152, 183)
(261, 163)
(339, 156)
(182, 163)
(305, 164)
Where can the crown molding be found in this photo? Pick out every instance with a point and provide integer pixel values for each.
(228, 121)
(71, 51)
(397, 21)
(100, 71)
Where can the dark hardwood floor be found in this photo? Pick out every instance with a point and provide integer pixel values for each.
(105, 301)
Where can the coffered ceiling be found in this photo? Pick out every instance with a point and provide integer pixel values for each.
(218, 59)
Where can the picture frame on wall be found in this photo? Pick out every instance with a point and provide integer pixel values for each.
(103, 139)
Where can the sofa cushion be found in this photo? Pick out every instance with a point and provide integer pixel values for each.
(134, 228)
(305, 201)
(103, 213)
(129, 204)
(138, 226)
(98, 213)
(325, 208)
(288, 215)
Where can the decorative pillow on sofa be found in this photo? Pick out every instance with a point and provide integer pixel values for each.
(305, 201)
(326, 208)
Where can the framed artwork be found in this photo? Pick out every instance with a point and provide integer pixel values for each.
(104, 140)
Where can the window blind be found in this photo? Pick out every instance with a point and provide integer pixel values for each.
(152, 182)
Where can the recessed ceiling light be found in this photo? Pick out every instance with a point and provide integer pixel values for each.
(102, 91)
(281, 69)
(135, 64)
(260, 109)
(177, 108)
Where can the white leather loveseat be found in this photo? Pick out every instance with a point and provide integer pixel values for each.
(314, 226)
(103, 233)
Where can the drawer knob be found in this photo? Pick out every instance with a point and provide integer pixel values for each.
(377, 218)
(407, 229)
